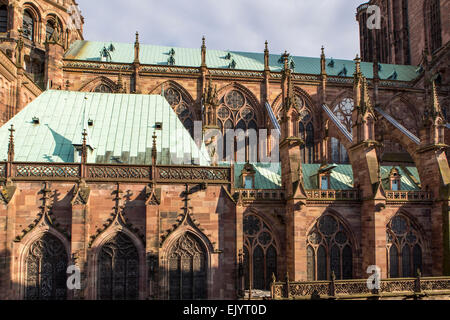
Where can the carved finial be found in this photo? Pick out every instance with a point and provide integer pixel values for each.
(435, 105)
(285, 58)
(266, 57)
(357, 65)
(84, 147)
(154, 150)
(323, 69)
(136, 48)
(203, 52)
(333, 276)
(266, 48)
(11, 144)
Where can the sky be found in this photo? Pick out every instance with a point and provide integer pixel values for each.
(299, 26)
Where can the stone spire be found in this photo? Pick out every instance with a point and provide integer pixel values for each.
(266, 57)
(203, 51)
(154, 150)
(136, 49)
(84, 147)
(434, 109)
(323, 69)
(11, 144)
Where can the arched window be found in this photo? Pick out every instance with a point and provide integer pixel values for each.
(187, 269)
(28, 25)
(236, 112)
(103, 88)
(306, 131)
(434, 22)
(3, 18)
(118, 270)
(180, 105)
(46, 267)
(404, 247)
(329, 249)
(51, 26)
(260, 253)
(343, 111)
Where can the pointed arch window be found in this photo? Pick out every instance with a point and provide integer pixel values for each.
(28, 25)
(306, 130)
(260, 253)
(3, 18)
(404, 248)
(434, 22)
(329, 249)
(343, 111)
(180, 105)
(118, 269)
(46, 267)
(236, 112)
(103, 88)
(51, 26)
(187, 269)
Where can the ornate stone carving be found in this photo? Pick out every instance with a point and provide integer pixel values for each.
(44, 219)
(81, 194)
(117, 220)
(7, 191)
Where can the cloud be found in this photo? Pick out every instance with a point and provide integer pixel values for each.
(299, 26)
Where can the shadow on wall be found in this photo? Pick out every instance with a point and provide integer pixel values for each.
(5, 275)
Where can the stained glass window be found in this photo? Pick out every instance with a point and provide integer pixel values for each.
(180, 104)
(235, 111)
(28, 25)
(260, 248)
(235, 100)
(187, 269)
(329, 249)
(3, 18)
(103, 88)
(343, 111)
(119, 269)
(306, 130)
(435, 24)
(404, 246)
(46, 267)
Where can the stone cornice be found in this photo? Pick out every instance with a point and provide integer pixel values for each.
(97, 66)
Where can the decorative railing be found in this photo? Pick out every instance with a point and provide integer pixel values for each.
(260, 195)
(409, 196)
(114, 172)
(118, 172)
(353, 289)
(327, 195)
(180, 174)
(41, 170)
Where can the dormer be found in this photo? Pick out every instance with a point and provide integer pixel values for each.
(247, 177)
(395, 180)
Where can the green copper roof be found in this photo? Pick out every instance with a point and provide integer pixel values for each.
(188, 57)
(123, 125)
(408, 174)
(267, 176)
(341, 177)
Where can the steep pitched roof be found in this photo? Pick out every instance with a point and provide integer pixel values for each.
(123, 125)
(267, 175)
(220, 59)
